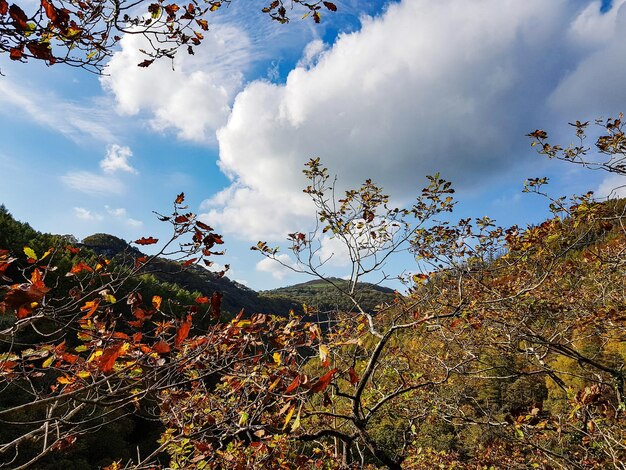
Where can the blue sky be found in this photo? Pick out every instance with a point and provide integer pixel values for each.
(387, 91)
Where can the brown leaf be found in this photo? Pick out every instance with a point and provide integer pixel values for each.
(330, 6)
(180, 198)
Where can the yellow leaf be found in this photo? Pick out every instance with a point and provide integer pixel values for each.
(324, 352)
(296, 423)
(83, 374)
(47, 362)
(65, 380)
(30, 252)
(289, 415)
(276, 357)
(156, 301)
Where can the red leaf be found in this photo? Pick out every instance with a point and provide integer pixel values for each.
(202, 300)
(16, 53)
(50, 10)
(139, 261)
(109, 355)
(4, 7)
(354, 379)
(181, 219)
(72, 249)
(146, 241)
(19, 17)
(293, 385)
(216, 303)
(190, 261)
(203, 226)
(323, 381)
(161, 347)
(183, 331)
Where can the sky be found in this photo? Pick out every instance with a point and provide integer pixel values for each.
(391, 91)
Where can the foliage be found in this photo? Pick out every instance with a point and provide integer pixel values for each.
(85, 33)
(506, 351)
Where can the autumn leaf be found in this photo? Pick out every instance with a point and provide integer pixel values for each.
(80, 267)
(183, 331)
(161, 347)
(216, 303)
(354, 379)
(323, 381)
(202, 300)
(180, 198)
(145, 63)
(146, 241)
(109, 356)
(19, 17)
(293, 385)
(330, 6)
(30, 253)
(90, 307)
(156, 301)
(50, 10)
(289, 415)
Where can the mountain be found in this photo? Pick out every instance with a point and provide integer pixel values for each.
(324, 296)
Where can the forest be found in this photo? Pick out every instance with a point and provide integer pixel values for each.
(505, 348)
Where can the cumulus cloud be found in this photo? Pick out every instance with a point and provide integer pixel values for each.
(193, 94)
(430, 85)
(92, 183)
(116, 159)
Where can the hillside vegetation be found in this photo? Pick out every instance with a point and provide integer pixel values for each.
(507, 351)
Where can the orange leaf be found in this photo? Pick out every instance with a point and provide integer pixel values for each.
(202, 300)
(156, 301)
(293, 385)
(92, 305)
(109, 355)
(180, 198)
(183, 331)
(79, 267)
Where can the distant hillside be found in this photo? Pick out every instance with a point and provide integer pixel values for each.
(193, 278)
(323, 296)
(170, 278)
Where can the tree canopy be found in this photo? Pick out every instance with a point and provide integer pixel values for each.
(84, 33)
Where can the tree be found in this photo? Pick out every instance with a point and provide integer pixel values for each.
(84, 33)
(507, 350)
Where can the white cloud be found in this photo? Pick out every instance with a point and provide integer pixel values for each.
(119, 212)
(85, 214)
(275, 268)
(613, 186)
(116, 159)
(192, 95)
(72, 119)
(92, 183)
(431, 85)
